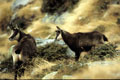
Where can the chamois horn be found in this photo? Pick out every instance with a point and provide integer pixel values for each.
(58, 28)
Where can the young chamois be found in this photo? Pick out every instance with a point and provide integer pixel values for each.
(79, 42)
(24, 50)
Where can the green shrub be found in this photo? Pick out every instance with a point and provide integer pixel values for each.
(52, 52)
(101, 52)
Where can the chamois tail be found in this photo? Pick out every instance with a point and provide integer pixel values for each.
(105, 38)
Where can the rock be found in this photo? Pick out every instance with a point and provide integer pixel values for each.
(4, 70)
(66, 77)
(70, 53)
(104, 63)
(19, 3)
(50, 76)
(42, 42)
(57, 19)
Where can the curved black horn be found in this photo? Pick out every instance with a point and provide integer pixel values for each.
(58, 27)
(10, 25)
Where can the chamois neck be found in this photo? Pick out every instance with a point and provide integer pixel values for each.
(66, 36)
(21, 35)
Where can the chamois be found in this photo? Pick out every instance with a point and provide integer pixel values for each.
(79, 42)
(24, 50)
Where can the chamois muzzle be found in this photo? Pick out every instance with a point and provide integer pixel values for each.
(57, 34)
(13, 35)
(11, 39)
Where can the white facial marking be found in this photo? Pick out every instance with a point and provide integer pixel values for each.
(11, 33)
(17, 36)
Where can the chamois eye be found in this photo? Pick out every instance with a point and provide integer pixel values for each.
(57, 31)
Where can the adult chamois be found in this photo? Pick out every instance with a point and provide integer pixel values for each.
(79, 42)
(23, 51)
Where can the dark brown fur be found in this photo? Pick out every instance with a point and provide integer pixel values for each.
(79, 42)
(24, 50)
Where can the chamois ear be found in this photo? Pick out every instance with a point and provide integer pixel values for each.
(58, 28)
(16, 27)
(10, 26)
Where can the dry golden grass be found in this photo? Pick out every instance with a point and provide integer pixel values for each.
(100, 72)
(112, 13)
(5, 14)
(40, 29)
(38, 70)
(32, 9)
(6, 75)
(83, 10)
(4, 46)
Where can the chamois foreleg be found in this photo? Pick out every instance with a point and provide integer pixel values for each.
(77, 55)
(15, 60)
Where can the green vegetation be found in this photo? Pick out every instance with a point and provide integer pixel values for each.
(7, 64)
(101, 53)
(52, 52)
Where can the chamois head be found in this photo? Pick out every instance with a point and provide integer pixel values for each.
(58, 31)
(14, 34)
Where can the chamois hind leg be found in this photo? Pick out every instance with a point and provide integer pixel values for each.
(15, 72)
(15, 60)
(16, 64)
(17, 67)
(77, 55)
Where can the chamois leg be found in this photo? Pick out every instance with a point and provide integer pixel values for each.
(15, 72)
(15, 60)
(17, 69)
(16, 64)
(77, 55)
